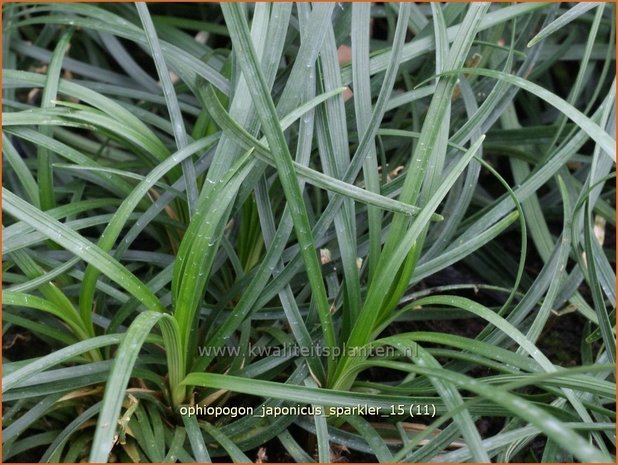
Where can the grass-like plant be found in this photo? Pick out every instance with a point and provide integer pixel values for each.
(400, 215)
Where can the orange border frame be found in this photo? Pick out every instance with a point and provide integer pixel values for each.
(2, 2)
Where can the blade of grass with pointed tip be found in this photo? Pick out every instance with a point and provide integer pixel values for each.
(14, 378)
(266, 110)
(333, 148)
(514, 334)
(270, 236)
(32, 301)
(418, 47)
(180, 134)
(38, 328)
(605, 141)
(543, 314)
(81, 247)
(60, 440)
(122, 369)
(605, 324)
(185, 64)
(428, 157)
(32, 415)
(49, 290)
(555, 429)
(391, 262)
(45, 175)
(197, 251)
(314, 177)
(241, 107)
(534, 182)
(571, 14)
(109, 182)
(118, 222)
(107, 106)
(21, 170)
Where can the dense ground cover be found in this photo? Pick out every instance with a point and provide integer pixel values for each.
(398, 216)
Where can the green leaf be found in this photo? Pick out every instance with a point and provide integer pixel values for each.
(266, 110)
(81, 247)
(45, 173)
(573, 13)
(122, 369)
(171, 99)
(605, 141)
(14, 379)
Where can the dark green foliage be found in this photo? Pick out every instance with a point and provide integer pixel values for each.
(398, 216)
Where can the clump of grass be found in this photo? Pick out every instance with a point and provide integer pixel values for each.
(381, 212)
